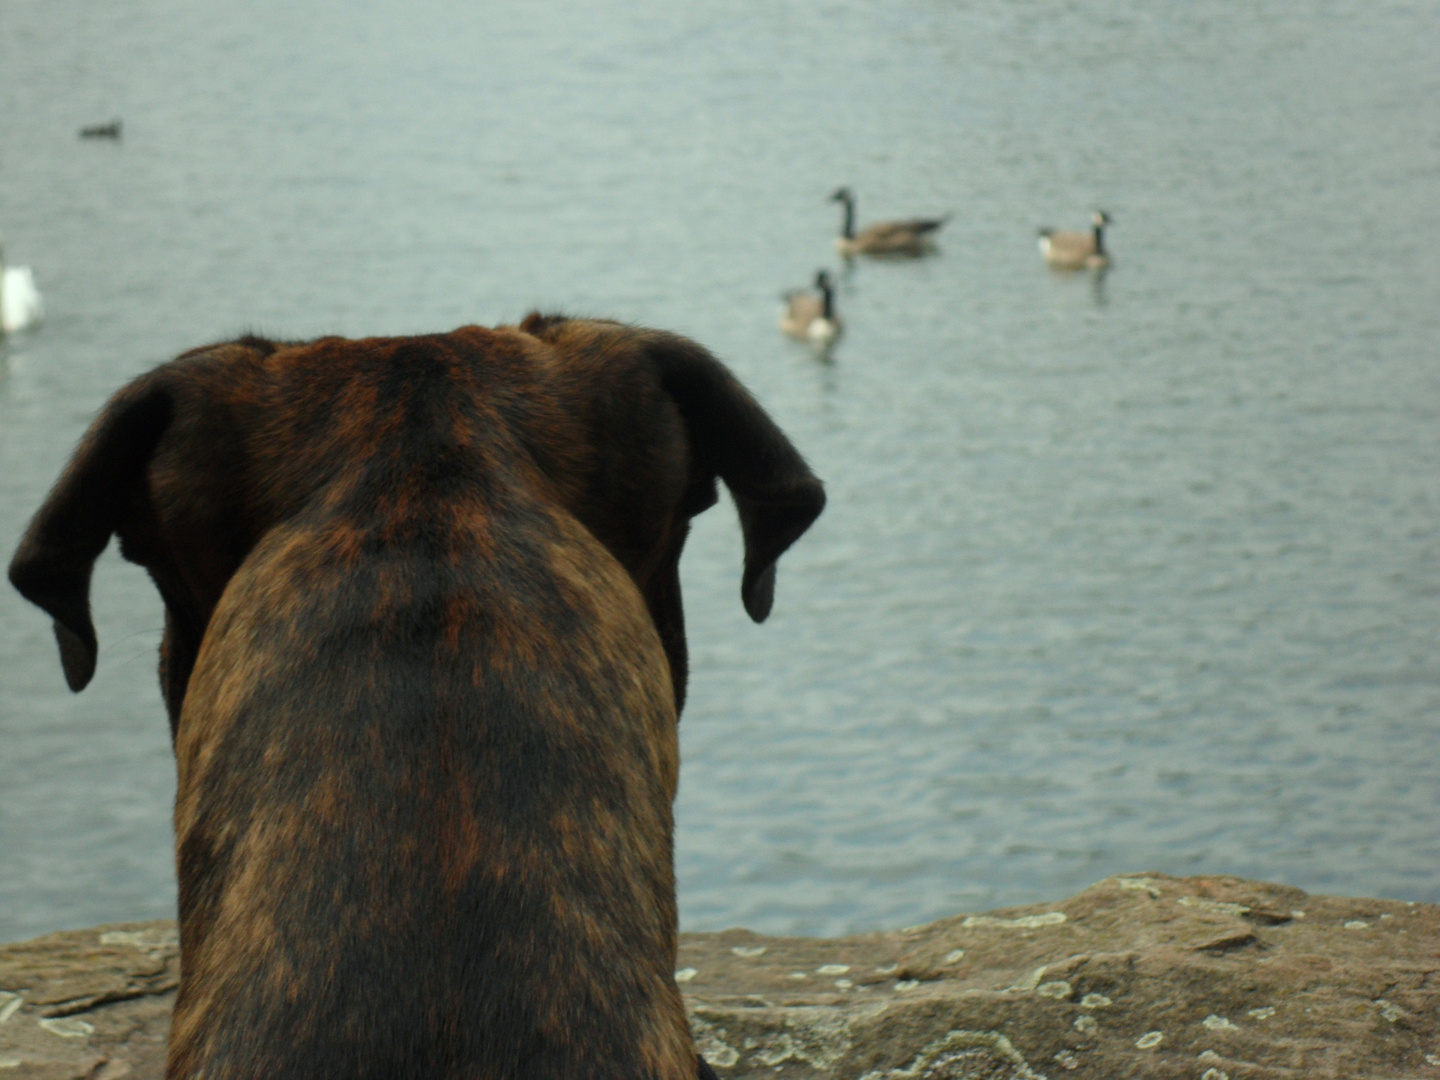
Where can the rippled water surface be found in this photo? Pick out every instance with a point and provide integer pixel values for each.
(1118, 574)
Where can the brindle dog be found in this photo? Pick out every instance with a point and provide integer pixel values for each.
(423, 659)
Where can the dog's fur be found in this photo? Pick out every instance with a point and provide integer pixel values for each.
(423, 660)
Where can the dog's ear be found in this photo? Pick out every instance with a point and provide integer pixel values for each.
(90, 501)
(732, 437)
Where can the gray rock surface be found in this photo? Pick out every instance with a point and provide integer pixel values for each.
(1211, 978)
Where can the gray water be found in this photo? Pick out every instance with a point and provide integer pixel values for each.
(1118, 574)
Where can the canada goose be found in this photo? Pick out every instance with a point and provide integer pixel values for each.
(101, 131)
(884, 237)
(1067, 250)
(20, 304)
(808, 317)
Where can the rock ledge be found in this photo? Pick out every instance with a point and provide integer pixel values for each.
(1211, 978)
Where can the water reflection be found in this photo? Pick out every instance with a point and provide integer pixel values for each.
(1097, 285)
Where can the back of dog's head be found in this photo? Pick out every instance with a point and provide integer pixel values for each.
(626, 429)
(423, 654)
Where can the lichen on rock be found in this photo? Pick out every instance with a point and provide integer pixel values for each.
(1145, 975)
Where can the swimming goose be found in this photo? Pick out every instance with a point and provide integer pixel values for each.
(101, 131)
(1066, 250)
(20, 304)
(884, 237)
(808, 317)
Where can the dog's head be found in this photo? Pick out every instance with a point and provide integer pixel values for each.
(624, 429)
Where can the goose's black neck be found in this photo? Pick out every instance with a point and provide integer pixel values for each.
(849, 231)
(827, 299)
(1099, 238)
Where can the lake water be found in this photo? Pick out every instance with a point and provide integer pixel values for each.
(1118, 574)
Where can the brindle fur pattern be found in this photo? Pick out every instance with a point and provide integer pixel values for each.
(423, 659)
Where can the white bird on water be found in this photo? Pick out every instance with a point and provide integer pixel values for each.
(20, 303)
